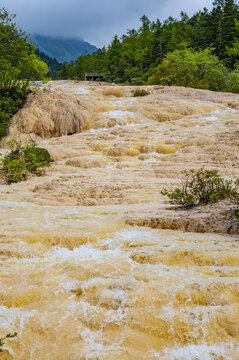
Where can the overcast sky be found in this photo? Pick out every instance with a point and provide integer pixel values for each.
(96, 21)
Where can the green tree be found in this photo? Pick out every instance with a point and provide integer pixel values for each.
(233, 50)
(228, 28)
(18, 65)
(112, 61)
(157, 48)
(198, 69)
(214, 29)
(133, 58)
(18, 62)
(53, 64)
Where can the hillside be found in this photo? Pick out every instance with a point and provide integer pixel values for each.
(53, 64)
(62, 49)
(139, 54)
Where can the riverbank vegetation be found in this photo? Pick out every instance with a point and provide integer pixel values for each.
(200, 51)
(22, 161)
(202, 187)
(18, 66)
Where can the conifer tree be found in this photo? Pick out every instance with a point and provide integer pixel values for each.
(228, 28)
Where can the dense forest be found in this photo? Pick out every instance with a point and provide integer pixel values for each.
(204, 46)
(53, 65)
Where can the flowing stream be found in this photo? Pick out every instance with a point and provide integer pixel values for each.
(78, 283)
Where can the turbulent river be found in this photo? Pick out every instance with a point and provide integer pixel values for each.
(79, 283)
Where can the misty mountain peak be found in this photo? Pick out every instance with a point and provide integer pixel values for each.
(60, 48)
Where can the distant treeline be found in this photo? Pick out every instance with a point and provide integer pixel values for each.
(137, 57)
(53, 65)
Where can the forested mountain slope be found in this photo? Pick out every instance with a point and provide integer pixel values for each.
(62, 49)
(211, 36)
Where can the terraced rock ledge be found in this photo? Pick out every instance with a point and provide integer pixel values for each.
(94, 263)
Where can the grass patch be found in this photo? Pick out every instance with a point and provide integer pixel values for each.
(140, 92)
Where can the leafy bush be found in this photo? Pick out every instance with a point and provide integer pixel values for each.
(235, 195)
(197, 69)
(23, 160)
(202, 187)
(137, 81)
(10, 102)
(140, 92)
(7, 336)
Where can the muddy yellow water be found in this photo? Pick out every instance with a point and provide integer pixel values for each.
(76, 282)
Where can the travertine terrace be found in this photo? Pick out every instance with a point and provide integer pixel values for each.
(91, 266)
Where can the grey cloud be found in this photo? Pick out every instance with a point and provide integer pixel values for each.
(92, 20)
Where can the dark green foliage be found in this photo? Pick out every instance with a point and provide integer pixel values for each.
(8, 336)
(18, 62)
(235, 195)
(134, 57)
(10, 102)
(228, 29)
(23, 160)
(202, 187)
(197, 69)
(18, 65)
(53, 64)
(237, 214)
(140, 92)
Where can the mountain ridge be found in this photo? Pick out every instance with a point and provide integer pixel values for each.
(63, 50)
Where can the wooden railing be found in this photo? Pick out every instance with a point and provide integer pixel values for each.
(94, 76)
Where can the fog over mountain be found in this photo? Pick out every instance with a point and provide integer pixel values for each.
(62, 49)
(93, 20)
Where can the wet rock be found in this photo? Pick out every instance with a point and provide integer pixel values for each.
(218, 218)
(47, 115)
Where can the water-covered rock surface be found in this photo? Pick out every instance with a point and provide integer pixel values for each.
(79, 278)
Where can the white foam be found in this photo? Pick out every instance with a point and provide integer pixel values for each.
(93, 340)
(9, 317)
(14, 204)
(83, 253)
(118, 113)
(192, 352)
(212, 118)
(82, 91)
(69, 285)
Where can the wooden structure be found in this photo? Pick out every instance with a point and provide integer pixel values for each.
(94, 76)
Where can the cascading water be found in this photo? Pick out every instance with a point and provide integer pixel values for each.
(77, 282)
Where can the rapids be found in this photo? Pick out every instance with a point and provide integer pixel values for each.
(79, 283)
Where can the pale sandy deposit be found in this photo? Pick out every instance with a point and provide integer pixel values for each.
(91, 266)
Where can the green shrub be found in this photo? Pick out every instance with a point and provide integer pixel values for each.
(235, 195)
(23, 160)
(197, 69)
(202, 187)
(137, 81)
(7, 336)
(10, 102)
(140, 92)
